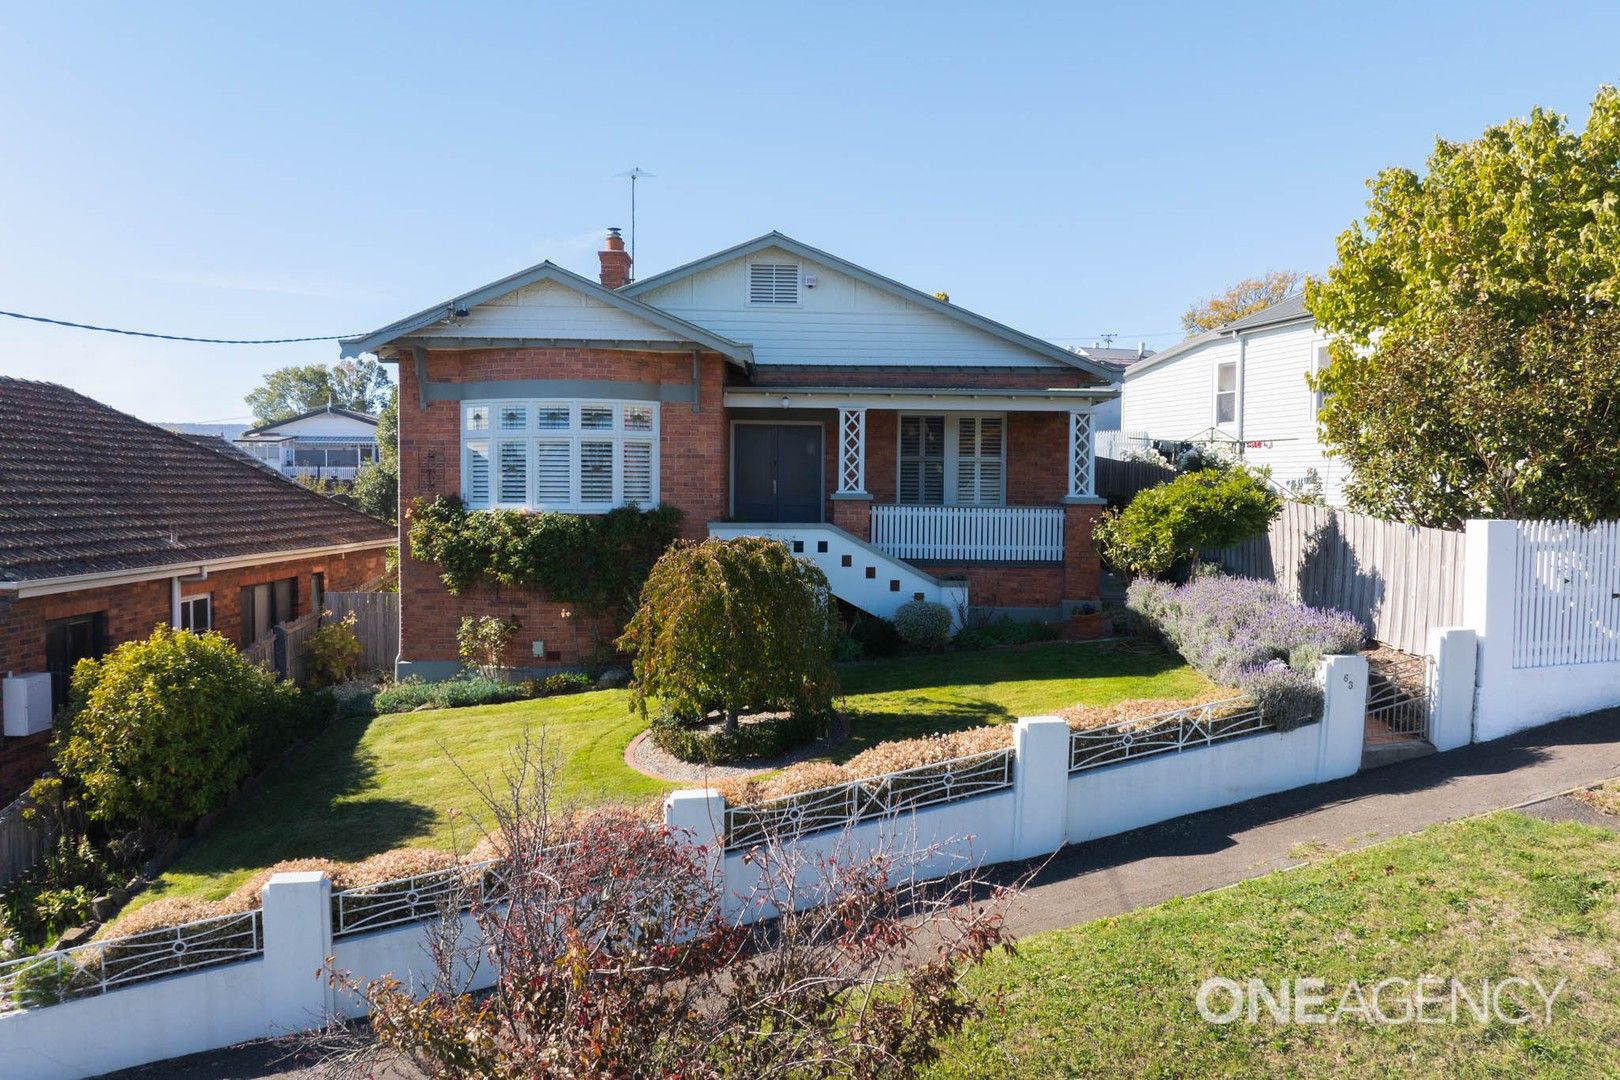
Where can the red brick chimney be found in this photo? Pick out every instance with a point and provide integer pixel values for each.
(615, 261)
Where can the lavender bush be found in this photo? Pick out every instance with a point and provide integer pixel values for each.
(1245, 633)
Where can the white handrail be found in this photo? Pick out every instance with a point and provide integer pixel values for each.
(973, 533)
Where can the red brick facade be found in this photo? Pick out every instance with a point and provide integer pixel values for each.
(694, 475)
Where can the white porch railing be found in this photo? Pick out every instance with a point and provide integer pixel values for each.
(974, 533)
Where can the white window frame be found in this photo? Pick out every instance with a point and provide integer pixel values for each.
(953, 455)
(1320, 359)
(1217, 393)
(748, 285)
(492, 436)
(188, 603)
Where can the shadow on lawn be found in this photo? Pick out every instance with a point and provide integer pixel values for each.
(309, 811)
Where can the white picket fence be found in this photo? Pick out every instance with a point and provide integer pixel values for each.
(1566, 608)
(973, 533)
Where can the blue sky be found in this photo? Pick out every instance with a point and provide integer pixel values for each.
(288, 169)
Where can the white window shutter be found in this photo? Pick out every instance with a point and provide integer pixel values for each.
(553, 472)
(512, 472)
(638, 473)
(595, 472)
(475, 474)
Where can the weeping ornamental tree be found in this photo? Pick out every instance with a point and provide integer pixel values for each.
(726, 626)
(1476, 343)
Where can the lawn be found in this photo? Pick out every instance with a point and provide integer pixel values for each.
(367, 785)
(1506, 895)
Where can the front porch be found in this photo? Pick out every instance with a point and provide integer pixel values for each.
(993, 489)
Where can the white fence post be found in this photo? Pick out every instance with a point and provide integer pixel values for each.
(1453, 650)
(698, 816)
(1040, 785)
(1344, 716)
(1489, 581)
(297, 941)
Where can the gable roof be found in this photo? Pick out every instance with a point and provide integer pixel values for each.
(324, 410)
(549, 271)
(86, 489)
(1118, 359)
(876, 281)
(1288, 309)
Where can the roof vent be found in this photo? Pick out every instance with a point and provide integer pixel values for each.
(773, 283)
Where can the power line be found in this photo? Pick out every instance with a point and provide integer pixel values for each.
(171, 337)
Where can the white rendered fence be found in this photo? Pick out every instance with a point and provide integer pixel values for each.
(214, 983)
(974, 533)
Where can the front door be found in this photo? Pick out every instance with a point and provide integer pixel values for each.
(777, 470)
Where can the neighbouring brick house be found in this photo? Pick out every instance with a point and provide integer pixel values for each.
(909, 447)
(109, 526)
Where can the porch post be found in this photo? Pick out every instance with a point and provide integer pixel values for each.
(851, 505)
(1081, 509)
(852, 451)
(1082, 457)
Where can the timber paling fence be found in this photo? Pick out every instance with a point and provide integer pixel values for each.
(1399, 580)
(376, 624)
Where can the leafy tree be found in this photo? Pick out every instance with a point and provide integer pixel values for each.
(1235, 301)
(1467, 415)
(1166, 526)
(361, 385)
(728, 625)
(1470, 315)
(376, 485)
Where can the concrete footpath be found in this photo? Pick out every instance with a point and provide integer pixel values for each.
(1220, 847)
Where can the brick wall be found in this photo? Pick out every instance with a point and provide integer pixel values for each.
(132, 610)
(693, 475)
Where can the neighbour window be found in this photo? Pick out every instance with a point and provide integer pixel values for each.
(1226, 393)
(267, 605)
(952, 459)
(196, 613)
(1319, 364)
(67, 641)
(579, 456)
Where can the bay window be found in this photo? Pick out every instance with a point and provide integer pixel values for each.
(952, 459)
(570, 455)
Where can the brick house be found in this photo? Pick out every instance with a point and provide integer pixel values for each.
(909, 447)
(109, 526)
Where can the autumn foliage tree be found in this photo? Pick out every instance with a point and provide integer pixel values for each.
(619, 953)
(1475, 359)
(1239, 299)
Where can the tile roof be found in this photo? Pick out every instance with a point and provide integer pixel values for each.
(86, 489)
(1120, 359)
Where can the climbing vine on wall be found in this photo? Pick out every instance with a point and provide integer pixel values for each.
(597, 562)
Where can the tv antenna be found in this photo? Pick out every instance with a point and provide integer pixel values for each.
(635, 173)
(1108, 340)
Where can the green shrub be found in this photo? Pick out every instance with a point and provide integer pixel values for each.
(167, 727)
(876, 637)
(1165, 526)
(55, 894)
(332, 653)
(564, 682)
(595, 561)
(923, 624)
(1003, 630)
(451, 694)
(756, 739)
(729, 625)
(482, 640)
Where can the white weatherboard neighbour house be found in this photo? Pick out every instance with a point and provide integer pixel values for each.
(327, 443)
(1242, 385)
